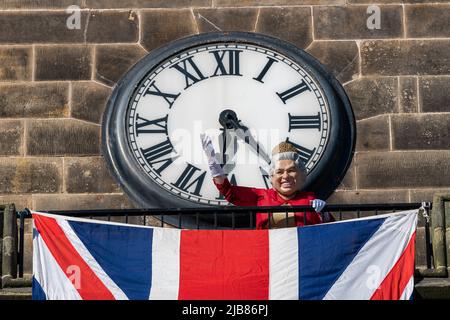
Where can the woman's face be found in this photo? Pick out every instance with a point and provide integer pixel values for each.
(287, 179)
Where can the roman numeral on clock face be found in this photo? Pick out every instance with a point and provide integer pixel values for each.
(227, 69)
(294, 91)
(155, 155)
(305, 153)
(191, 77)
(169, 97)
(186, 181)
(304, 122)
(150, 126)
(265, 69)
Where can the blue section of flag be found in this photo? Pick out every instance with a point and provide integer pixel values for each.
(37, 293)
(124, 253)
(326, 250)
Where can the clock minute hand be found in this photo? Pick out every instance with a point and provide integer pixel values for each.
(228, 145)
(245, 135)
(228, 119)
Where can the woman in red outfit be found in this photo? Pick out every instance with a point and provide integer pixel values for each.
(287, 174)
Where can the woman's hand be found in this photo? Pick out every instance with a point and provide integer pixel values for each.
(318, 204)
(214, 166)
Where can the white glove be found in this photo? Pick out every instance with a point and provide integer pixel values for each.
(213, 164)
(318, 204)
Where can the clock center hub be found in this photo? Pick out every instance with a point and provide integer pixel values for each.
(227, 118)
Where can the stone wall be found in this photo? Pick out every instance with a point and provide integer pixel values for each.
(55, 81)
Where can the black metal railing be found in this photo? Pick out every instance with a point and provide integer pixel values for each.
(175, 216)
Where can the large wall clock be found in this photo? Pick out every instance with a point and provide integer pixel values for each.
(231, 85)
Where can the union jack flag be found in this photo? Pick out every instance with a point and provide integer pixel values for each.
(367, 258)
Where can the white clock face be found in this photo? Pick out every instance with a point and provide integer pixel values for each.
(271, 95)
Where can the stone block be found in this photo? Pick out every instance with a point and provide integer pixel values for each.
(89, 100)
(110, 4)
(39, 4)
(420, 246)
(229, 19)
(349, 180)
(409, 101)
(405, 57)
(63, 62)
(112, 26)
(30, 175)
(421, 132)
(39, 27)
(21, 201)
(426, 195)
(81, 202)
(351, 22)
(403, 170)
(245, 3)
(373, 134)
(155, 31)
(373, 96)
(11, 137)
(368, 197)
(28, 254)
(28, 226)
(152, 221)
(15, 63)
(339, 57)
(292, 24)
(63, 137)
(55, 27)
(396, 1)
(136, 220)
(434, 94)
(41, 100)
(428, 21)
(88, 174)
(113, 61)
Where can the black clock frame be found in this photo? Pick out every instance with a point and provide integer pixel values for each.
(323, 179)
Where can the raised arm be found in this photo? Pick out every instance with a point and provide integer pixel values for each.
(241, 196)
(214, 167)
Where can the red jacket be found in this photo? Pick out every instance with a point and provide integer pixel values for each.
(244, 196)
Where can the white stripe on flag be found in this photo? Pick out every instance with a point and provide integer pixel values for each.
(407, 293)
(165, 264)
(49, 275)
(375, 259)
(283, 264)
(90, 260)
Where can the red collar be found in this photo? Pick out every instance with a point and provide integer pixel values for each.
(278, 199)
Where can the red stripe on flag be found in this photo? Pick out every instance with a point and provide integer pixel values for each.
(91, 287)
(229, 264)
(395, 282)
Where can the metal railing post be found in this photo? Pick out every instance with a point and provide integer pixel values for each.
(197, 220)
(233, 222)
(428, 244)
(21, 241)
(287, 218)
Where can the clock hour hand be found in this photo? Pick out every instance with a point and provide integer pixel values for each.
(228, 145)
(228, 119)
